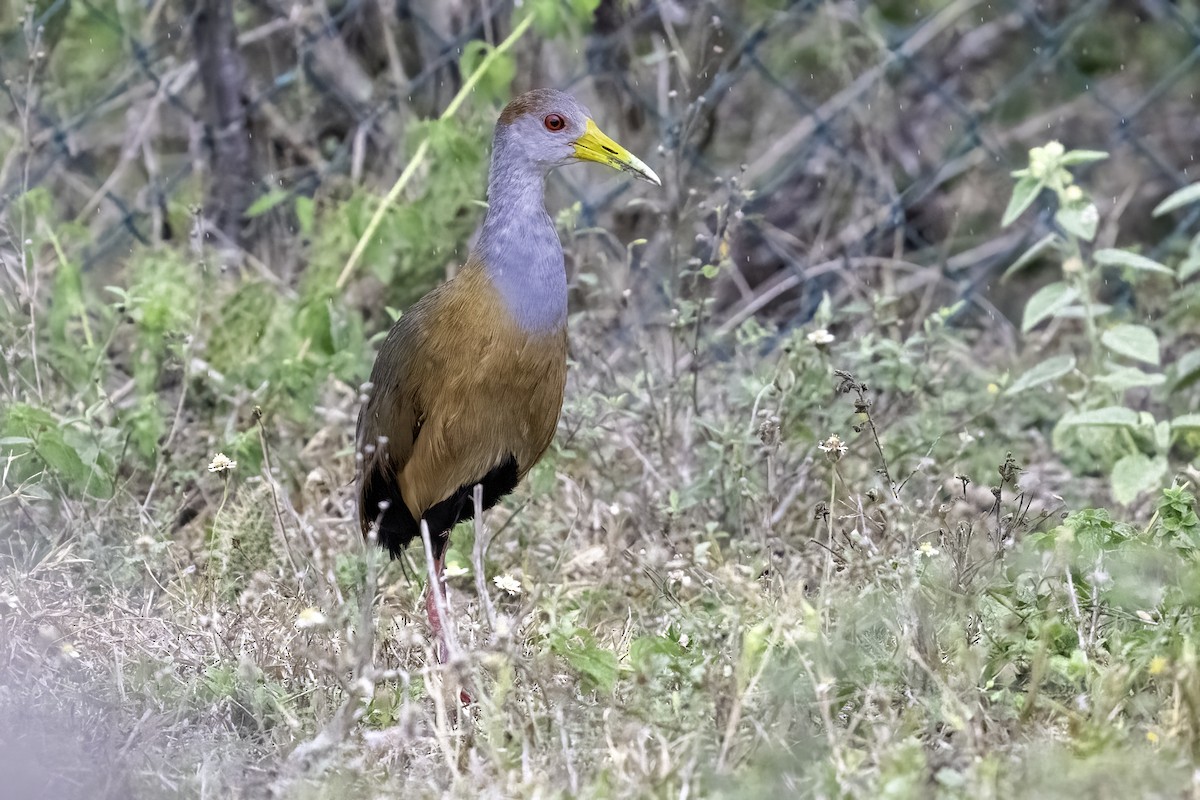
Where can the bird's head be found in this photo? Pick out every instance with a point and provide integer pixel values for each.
(550, 128)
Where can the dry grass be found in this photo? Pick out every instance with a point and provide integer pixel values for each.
(696, 617)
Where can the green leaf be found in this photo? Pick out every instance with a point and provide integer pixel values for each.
(1186, 422)
(647, 654)
(63, 459)
(1080, 221)
(553, 17)
(1162, 436)
(1122, 378)
(1178, 199)
(1049, 370)
(1045, 302)
(754, 646)
(1189, 267)
(305, 214)
(1112, 257)
(1107, 417)
(1073, 157)
(1024, 193)
(14, 441)
(1079, 311)
(1132, 341)
(495, 83)
(1026, 258)
(1187, 370)
(1134, 474)
(265, 203)
(29, 419)
(597, 666)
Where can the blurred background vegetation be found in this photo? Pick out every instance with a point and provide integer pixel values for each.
(990, 591)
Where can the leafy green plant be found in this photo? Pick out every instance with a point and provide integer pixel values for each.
(43, 444)
(557, 17)
(597, 666)
(1120, 355)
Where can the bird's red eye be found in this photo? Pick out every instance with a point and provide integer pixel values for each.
(555, 122)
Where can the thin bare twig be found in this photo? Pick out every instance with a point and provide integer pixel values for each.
(440, 600)
(481, 543)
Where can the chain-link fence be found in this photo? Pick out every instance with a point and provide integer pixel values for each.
(857, 130)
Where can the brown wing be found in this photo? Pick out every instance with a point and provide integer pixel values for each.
(388, 424)
(460, 396)
(491, 392)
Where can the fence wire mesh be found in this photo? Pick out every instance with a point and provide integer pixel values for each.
(856, 130)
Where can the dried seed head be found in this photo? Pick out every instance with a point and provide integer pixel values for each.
(768, 431)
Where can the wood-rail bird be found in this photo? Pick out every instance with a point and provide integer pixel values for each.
(468, 385)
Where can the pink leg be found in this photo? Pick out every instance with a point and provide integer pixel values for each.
(440, 647)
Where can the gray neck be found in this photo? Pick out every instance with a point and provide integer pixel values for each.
(519, 246)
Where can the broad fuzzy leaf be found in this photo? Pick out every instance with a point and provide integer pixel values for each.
(1186, 422)
(1024, 193)
(1074, 157)
(1132, 341)
(1134, 474)
(1121, 378)
(1112, 257)
(1080, 221)
(1178, 199)
(1049, 370)
(1027, 258)
(1108, 417)
(1046, 302)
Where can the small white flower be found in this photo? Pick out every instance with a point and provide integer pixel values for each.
(1074, 194)
(310, 618)
(928, 550)
(507, 583)
(222, 463)
(821, 337)
(833, 448)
